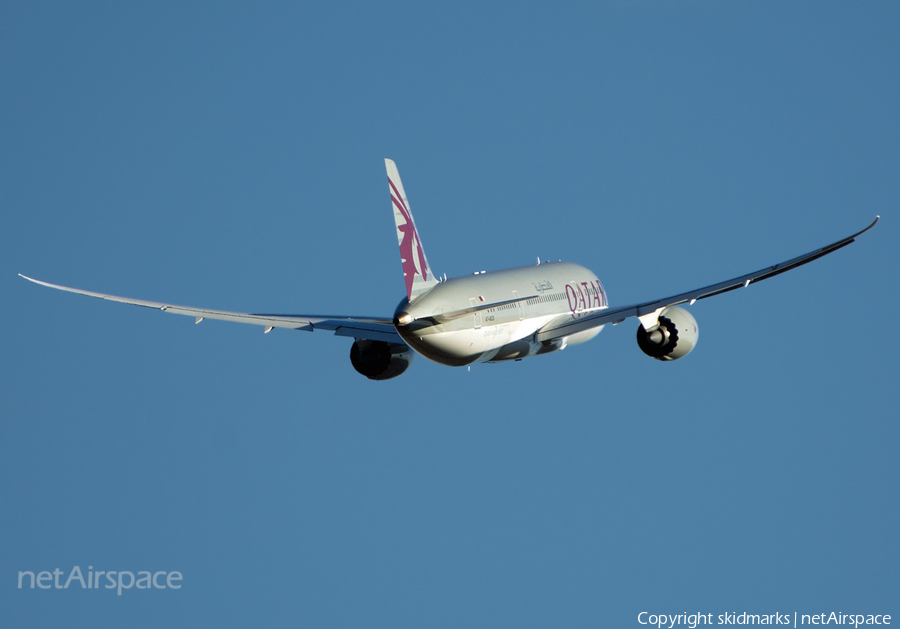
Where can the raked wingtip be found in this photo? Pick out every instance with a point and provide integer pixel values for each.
(38, 282)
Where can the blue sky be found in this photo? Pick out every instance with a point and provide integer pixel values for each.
(230, 156)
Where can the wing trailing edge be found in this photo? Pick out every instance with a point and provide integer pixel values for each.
(370, 328)
(648, 311)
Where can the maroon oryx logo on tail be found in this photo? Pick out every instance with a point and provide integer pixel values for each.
(413, 262)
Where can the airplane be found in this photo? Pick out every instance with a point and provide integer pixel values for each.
(489, 317)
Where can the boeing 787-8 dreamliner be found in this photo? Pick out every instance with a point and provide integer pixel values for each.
(490, 316)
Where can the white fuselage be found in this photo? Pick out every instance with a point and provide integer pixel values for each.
(454, 324)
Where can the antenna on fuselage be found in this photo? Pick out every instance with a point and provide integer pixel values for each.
(539, 260)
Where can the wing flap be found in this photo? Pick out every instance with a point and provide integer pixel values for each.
(369, 332)
(373, 328)
(567, 326)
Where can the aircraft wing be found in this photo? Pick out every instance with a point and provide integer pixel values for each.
(648, 311)
(372, 328)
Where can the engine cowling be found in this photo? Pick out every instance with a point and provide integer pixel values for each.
(675, 337)
(377, 360)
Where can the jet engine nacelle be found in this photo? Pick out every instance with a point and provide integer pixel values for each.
(377, 360)
(675, 337)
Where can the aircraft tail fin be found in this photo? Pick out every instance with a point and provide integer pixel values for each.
(416, 271)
